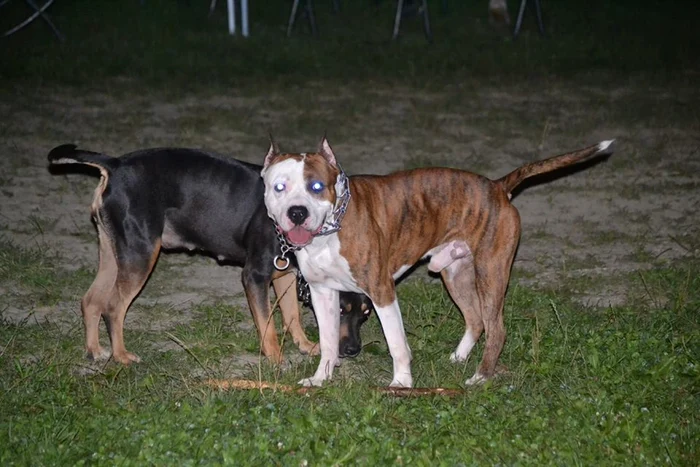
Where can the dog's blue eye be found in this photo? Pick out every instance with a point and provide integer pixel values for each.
(279, 187)
(316, 186)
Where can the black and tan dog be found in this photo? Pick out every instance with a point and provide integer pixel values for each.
(176, 198)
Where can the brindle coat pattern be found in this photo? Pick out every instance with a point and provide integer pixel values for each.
(395, 220)
(392, 215)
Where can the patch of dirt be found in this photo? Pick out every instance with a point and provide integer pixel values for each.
(63, 315)
(621, 215)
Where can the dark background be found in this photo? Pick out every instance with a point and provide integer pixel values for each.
(178, 45)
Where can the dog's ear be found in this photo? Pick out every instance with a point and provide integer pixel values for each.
(273, 143)
(271, 153)
(324, 148)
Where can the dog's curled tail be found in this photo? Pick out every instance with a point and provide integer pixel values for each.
(70, 154)
(516, 177)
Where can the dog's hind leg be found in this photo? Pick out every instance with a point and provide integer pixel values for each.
(492, 299)
(493, 263)
(460, 281)
(115, 286)
(286, 290)
(131, 277)
(96, 300)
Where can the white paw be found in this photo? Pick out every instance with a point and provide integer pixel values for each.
(311, 382)
(402, 381)
(457, 358)
(476, 379)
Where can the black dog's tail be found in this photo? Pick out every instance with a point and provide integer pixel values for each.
(70, 154)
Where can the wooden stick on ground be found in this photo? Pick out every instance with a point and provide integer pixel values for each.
(243, 384)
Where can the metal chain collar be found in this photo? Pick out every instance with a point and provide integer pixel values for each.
(284, 248)
(341, 205)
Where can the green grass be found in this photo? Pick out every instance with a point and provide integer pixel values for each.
(36, 275)
(583, 386)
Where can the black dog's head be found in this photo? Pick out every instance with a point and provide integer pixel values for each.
(354, 310)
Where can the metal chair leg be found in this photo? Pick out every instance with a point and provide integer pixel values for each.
(244, 18)
(538, 14)
(309, 13)
(426, 22)
(309, 9)
(521, 12)
(397, 19)
(519, 19)
(292, 17)
(231, 8)
(412, 8)
(38, 12)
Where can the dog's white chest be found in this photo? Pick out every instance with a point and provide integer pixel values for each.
(321, 263)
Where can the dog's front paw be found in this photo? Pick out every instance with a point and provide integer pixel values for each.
(311, 382)
(402, 381)
(456, 358)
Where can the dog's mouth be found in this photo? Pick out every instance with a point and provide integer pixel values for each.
(300, 237)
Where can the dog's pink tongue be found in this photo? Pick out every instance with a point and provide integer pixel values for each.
(299, 236)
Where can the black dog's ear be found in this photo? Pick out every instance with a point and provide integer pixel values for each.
(324, 148)
(271, 152)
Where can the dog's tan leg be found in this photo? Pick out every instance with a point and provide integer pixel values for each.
(96, 300)
(460, 281)
(258, 297)
(286, 290)
(130, 281)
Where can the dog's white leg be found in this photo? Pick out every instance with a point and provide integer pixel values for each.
(392, 324)
(464, 348)
(326, 305)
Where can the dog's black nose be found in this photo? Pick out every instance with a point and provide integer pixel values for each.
(298, 214)
(349, 348)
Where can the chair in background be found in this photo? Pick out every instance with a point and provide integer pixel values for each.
(521, 12)
(231, 11)
(37, 12)
(418, 7)
(308, 13)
